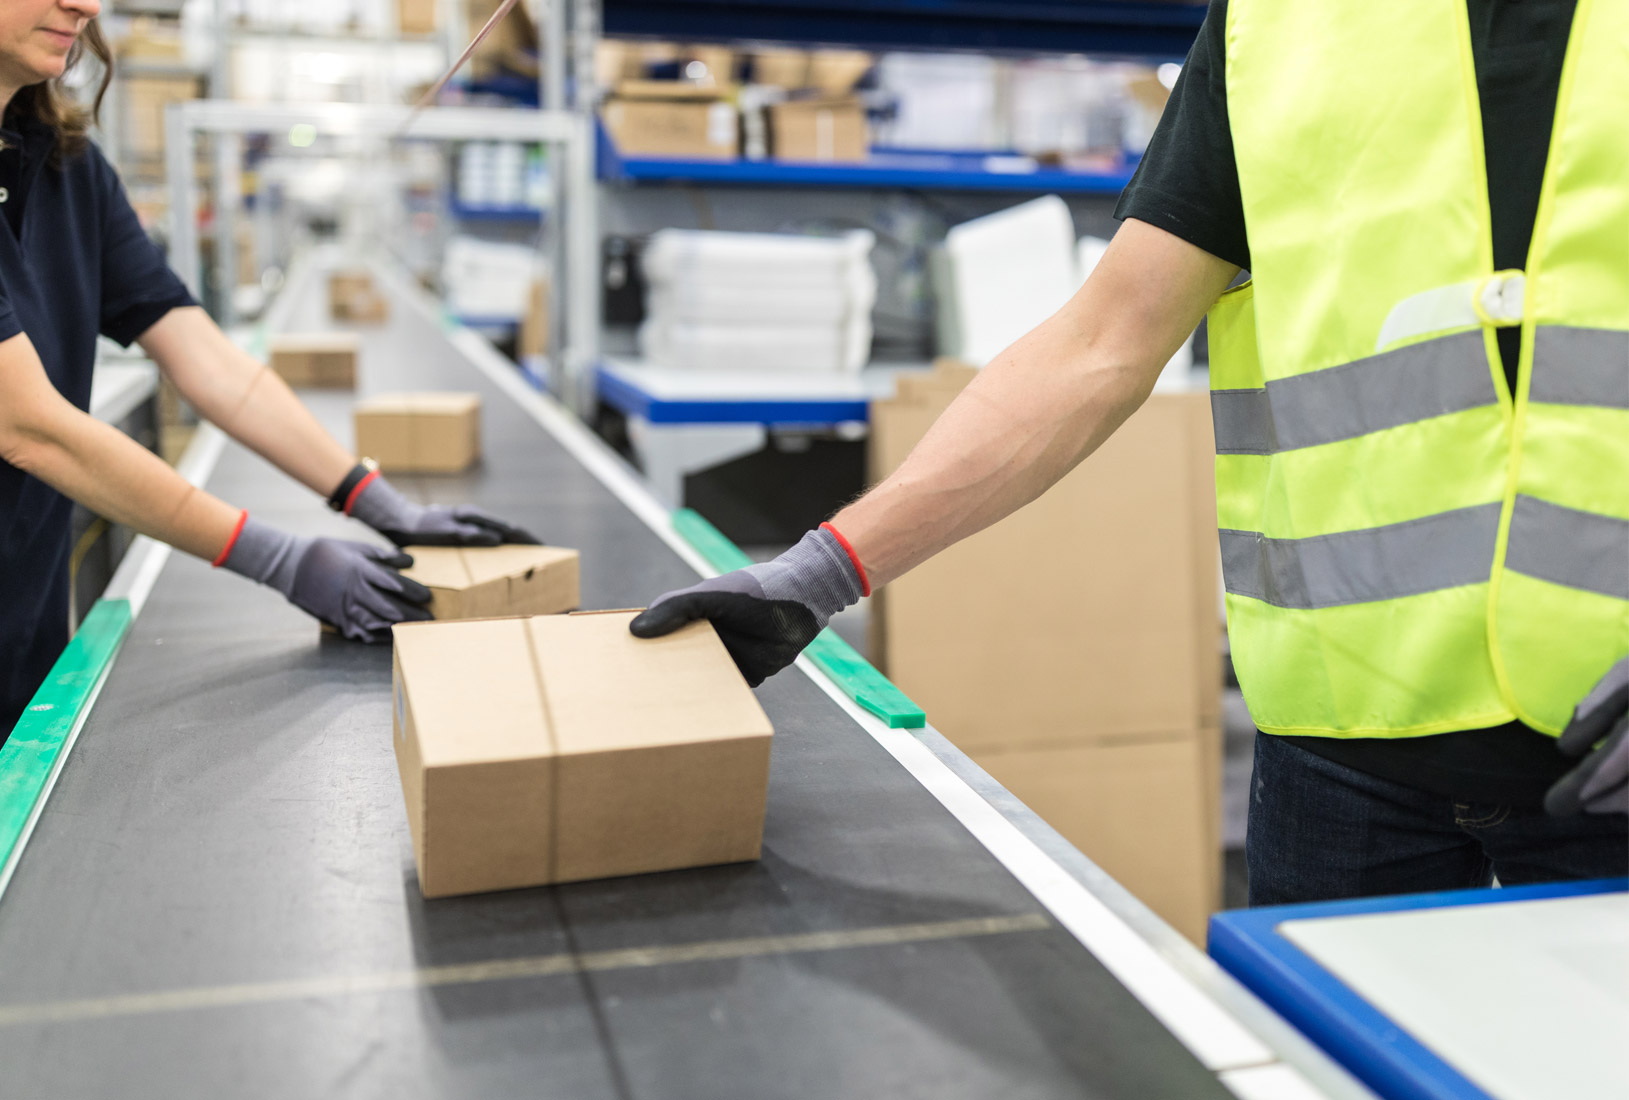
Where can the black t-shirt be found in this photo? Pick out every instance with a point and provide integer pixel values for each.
(1188, 185)
(74, 262)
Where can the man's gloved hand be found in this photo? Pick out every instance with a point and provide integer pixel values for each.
(1598, 732)
(406, 523)
(765, 614)
(350, 586)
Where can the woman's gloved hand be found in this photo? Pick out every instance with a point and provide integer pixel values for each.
(765, 614)
(1599, 733)
(406, 523)
(351, 586)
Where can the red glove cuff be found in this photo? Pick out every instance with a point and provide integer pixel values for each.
(865, 582)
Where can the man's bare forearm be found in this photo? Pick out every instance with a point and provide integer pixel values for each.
(245, 399)
(1041, 406)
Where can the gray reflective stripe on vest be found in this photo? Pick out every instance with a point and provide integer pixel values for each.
(1418, 382)
(1377, 563)
(1580, 366)
(1565, 546)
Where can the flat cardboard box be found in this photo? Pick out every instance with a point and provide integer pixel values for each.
(821, 130)
(1095, 607)
(653, 118)
(318, 360)
(425, 433)
(1139, 809)
(484, 582)
(561, 748)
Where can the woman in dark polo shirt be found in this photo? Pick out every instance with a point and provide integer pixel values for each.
(74, 262)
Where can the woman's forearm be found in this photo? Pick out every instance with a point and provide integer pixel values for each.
(245, 399)
(99, 466)
(1041, 406)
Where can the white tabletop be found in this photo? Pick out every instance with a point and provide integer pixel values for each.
(1528, 999)
(118, 388)
(875, 382)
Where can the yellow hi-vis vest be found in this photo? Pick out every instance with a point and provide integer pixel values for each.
(1408, 548)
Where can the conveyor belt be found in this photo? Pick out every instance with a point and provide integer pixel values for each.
(219, 899)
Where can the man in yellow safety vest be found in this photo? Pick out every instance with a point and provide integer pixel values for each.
(1421, 401)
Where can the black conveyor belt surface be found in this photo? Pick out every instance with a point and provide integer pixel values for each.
(220, 901)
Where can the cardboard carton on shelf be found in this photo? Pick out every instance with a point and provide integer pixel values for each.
(781, 68)
(533, 340)
(319, 360)
(561, 748)
(664, 118)
(483, 582)
(836, 72)
(826, 129)
(423, 433)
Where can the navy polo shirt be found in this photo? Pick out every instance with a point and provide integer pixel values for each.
(74, 262)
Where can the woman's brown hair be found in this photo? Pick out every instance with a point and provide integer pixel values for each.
(49, 102)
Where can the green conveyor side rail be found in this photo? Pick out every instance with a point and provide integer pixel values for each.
(833, 656)
(40, 735)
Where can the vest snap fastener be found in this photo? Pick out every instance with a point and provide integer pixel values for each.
(5, 193)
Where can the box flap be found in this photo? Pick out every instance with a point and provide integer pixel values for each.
(671, 89)
(438, 566)
(404, 403)
(608, 690)
(488, 563)
(472, 687)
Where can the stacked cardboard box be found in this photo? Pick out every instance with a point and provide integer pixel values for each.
(823, 129)
(562, 748)
(416, 16)
(1072, 650)
(666, 118)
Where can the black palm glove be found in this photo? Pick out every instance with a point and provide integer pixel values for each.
(351, 586)
(1599, 733)
(406, 523)
(765, 614)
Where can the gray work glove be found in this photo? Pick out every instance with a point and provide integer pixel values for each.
(1599, 733)
(765, 614)
(406, 523)
(351, 586)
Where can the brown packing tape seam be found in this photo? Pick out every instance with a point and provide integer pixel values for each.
(554, 751)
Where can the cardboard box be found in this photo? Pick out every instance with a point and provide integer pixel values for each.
(533, 341)
(1139, 809)
(352, 296)
(424, 433)
(561, 748)
(656, 118)
(831, 130)
(1095, 607)
(320, 360)
(781, 68)
(144, 100)
(1072, 649)
(836, 72)
(484, 582)
(416, 16)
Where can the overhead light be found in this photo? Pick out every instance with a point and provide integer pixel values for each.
(302, 134)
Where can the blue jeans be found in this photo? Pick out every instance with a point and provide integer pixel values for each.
(1319, 830)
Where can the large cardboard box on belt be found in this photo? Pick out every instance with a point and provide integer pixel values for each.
(664, 118)
(319, 360)
(483, 582)
(427, 433)
(561, 748)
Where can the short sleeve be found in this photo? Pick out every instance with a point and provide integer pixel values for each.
(1188, 181)
(10, 325)
(138, 286)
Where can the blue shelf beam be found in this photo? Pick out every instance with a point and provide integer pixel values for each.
(886, 168)
(1153, 29)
